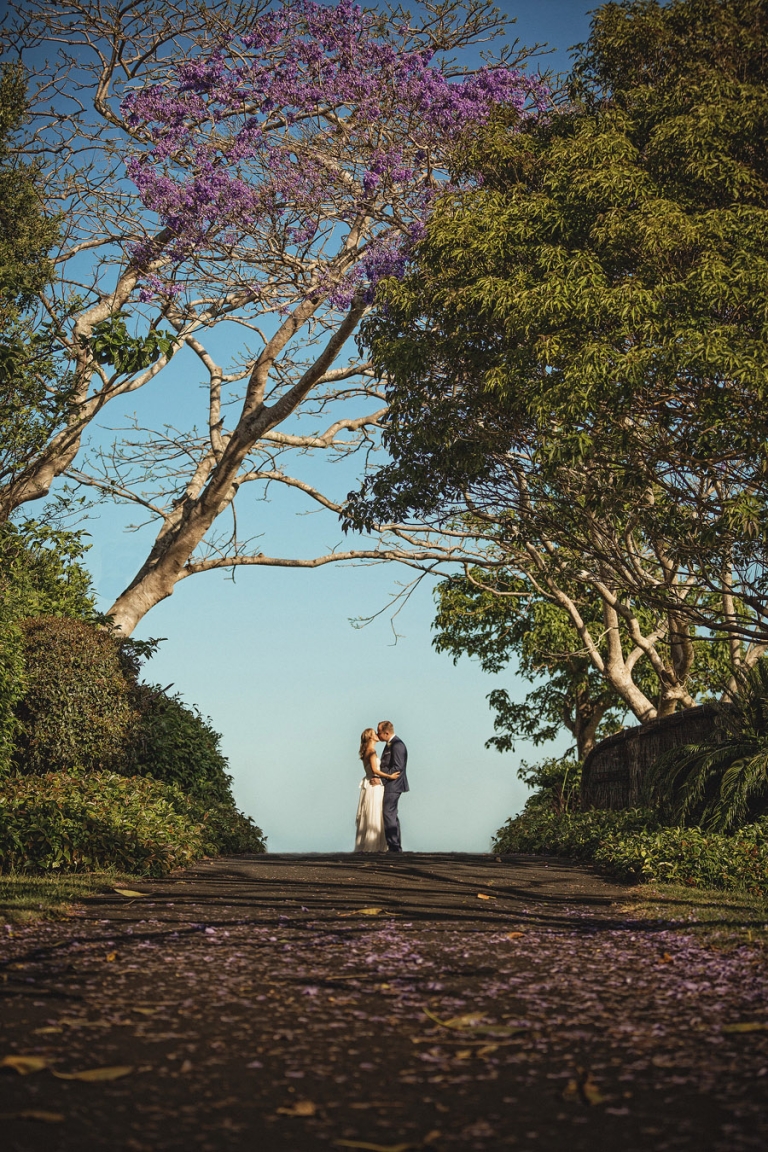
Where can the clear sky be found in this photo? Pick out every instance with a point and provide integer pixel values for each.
(274, 661)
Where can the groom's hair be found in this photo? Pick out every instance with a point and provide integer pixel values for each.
(386, 726)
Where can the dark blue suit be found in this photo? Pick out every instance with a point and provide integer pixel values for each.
(394, 758)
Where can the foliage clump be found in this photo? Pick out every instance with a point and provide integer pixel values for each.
(74, 823)
(35, 388)
(175, 744)
(76, 710)
(631, 845)
(99, 770)
(722, 782)
(41, 574)
(576, 834)
(84, 822)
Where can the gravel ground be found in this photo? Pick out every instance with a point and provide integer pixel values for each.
(442, 1002)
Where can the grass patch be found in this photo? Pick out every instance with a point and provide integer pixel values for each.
(723, 919)
(25, 898)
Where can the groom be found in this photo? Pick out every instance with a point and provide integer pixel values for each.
(394, 759)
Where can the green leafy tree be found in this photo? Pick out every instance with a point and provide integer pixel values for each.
(577, 356)
(504, 621)
(34, 389)
(508, 622)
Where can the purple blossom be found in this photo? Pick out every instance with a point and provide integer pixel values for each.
(280, 135)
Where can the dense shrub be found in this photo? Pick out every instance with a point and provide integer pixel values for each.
(631, 845)
(576, 834)
(11, 677)
(101, 819)
(690, 856)
(175, 744)
(225, 830)
(43, 571)
(58, 821)
(556, 782)
(71, 703)
(76, 710)
(40, 573)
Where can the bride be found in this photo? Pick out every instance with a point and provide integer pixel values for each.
(370, 821)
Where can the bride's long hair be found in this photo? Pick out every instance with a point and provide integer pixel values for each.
(367, 743)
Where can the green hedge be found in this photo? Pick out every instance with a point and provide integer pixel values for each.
(631, 845)
(690, 856)
(175, 744)
(226, 831)
(76, 710)
(101, 820)
(576, 834)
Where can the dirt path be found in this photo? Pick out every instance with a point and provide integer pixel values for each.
(303, 1003)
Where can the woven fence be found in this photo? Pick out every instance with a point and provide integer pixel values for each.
(617, 768)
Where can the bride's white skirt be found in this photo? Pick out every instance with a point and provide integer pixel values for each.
(370, 819)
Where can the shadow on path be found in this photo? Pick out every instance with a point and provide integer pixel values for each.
(426, 1001)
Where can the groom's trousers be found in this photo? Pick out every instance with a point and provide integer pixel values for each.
(391, 820)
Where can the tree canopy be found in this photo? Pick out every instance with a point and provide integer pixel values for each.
(576, 358)
(257, 169)
(508, 624)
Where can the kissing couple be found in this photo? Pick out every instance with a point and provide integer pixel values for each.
(378, 825)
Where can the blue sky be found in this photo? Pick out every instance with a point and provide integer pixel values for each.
(275, 662)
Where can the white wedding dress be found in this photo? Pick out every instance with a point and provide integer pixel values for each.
(370, 817)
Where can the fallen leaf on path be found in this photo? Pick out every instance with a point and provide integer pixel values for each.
(24, 1064)
(111, 956)
(430, 1137)
(363, 1144)
(129, 892)
(145, 1011)
(34, 1114)
(93, 1075)
(300, 1108)
(747, 1026)
(473, 1022)
(468, 1020)
(363, 912)
(73, 1022)
(47, 1031)
(584, 1089)
(514, 935)
(482, 896)
(571, 1090)
(590, 1092)
(665, 958)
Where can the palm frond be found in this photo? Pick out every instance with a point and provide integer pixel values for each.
(721, 782)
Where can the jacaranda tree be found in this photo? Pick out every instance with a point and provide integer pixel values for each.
(253, 169)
